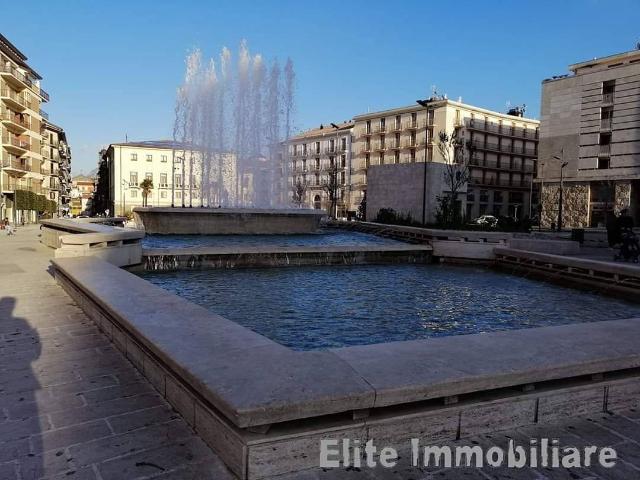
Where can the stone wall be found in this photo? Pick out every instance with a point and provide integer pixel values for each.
(575, 210)
(622, 196)
(400, 186)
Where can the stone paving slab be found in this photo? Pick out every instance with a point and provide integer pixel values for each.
(71, 405)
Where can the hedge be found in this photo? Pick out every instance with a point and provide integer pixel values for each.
(26, 200)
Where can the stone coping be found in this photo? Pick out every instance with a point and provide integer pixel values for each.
(575, 262)
(80, 233)
(232, 211)
(468, 235)
(269, 250)
(254, 381)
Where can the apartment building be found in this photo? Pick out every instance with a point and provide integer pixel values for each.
(501, 168)
(177, 175)
(56, 166)
(591, 125)
(320, 161)
(82, 190)
(20, 141)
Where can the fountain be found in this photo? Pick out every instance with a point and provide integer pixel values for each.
(229, 127)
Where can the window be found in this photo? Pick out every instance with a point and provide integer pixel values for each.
(317, 179)
(381, 159)
(343, 161)
(163, 179)
(603, 163)
(430, 153)
(163, 158)
(382, 124)
(368, 127)
(497, 197)
(414, 119)
(178, 194)
(133, 179)
(317, 147)
(178, 159)
(134, 157)
(163, 194)
(134, 193)
(396, 157)
(178, 180)
(343, 144)
(367, 160)
(398, 122)
(149, 158)
(413, 156)
(317, 164)
(148, 176)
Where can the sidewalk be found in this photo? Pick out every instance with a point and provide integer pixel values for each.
(71, 406)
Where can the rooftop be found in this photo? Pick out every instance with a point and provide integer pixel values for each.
(616, 58)
(16, 55)
(323, 130)
(439, 102)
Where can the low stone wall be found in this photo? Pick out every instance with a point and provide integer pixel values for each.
(227, 221)
(264, 408)
(557, 247)
(161, 259)
(72, 238)
(611, 278)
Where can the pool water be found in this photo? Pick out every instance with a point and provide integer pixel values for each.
(322, 238)
(308, 308)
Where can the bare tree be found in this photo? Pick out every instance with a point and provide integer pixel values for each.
(456, 154)
(299, 190)
(331, 187)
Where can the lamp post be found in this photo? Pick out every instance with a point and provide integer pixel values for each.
(425, 104)
(540, 197)
(124, 196)
(562, 165)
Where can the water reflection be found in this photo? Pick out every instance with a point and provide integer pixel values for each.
(321, 307)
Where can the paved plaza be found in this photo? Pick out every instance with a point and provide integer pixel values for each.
(71, 406)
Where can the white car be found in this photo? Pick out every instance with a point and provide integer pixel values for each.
(486, 221)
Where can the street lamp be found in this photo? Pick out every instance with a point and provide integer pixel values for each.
(425, 104)
(562, 165)
(124, 196)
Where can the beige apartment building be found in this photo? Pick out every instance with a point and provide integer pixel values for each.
(320, 161)
(502, 166)
(21, 118)
(174, 170)
(591, 121)
(56, 166)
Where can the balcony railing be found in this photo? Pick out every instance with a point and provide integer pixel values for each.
(44, 94)
(19, 142)
(608, 97)
(497, 182)
(8, 68)
(44, 114)
(379, 128)
(507, 130)
(16, 163)
(15, 118)
(605, 150)
(495, 147)
(16, 97)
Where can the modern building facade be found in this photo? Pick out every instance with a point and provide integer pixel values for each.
(591, 121)
(320, 168)
(20, 141)
(501, 161)
(176, 173)
(56, 166)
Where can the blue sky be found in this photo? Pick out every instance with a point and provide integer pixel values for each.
(112, 67)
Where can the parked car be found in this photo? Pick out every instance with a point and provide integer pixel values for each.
(486, 221)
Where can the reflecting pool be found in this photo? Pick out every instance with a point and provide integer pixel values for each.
(309, 308)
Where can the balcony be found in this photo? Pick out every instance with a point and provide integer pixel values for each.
(14, 121)
(504, 130)
(397, 127)
(15, 77)
(411, 125)
(497, 182)
(605, 150)
(606, 123)
(44, 95)
(380, 147)
(379, 129)
(16, 165)
(13, 99)
(607, 98)
(19, 145)
(44, 114)
(496, 147)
